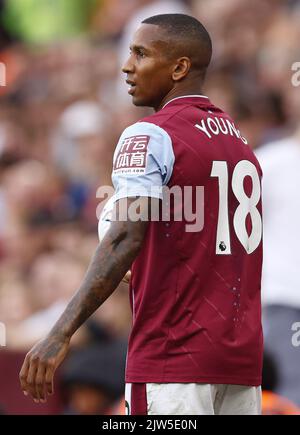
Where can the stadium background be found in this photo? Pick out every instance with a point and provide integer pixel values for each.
(61, 113)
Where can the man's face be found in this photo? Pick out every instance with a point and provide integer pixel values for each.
(148, 69)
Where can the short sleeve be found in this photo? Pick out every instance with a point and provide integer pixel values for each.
(143, 161)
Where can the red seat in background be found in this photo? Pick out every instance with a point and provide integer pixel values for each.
(12, 399)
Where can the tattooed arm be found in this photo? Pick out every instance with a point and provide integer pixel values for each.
(112, 259)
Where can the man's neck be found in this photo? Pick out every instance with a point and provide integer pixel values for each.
(177, 93)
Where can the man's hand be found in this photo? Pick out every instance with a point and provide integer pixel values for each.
(37, 372)
(113, 258)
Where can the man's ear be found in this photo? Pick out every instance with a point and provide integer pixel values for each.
(181, 68)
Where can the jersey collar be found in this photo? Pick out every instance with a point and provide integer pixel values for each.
(186, 96)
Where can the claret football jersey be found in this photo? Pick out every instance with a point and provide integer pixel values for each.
(195, 286)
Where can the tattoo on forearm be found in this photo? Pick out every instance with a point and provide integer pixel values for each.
(112, 259)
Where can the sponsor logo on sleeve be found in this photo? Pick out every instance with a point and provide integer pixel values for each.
(131, 158)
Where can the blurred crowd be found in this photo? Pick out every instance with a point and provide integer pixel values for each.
(62, 110)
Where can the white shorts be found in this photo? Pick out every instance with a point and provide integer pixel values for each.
(192, 399)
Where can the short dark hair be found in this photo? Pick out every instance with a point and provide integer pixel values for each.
(192, 35)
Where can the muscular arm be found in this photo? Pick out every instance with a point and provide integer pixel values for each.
(112, 259)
